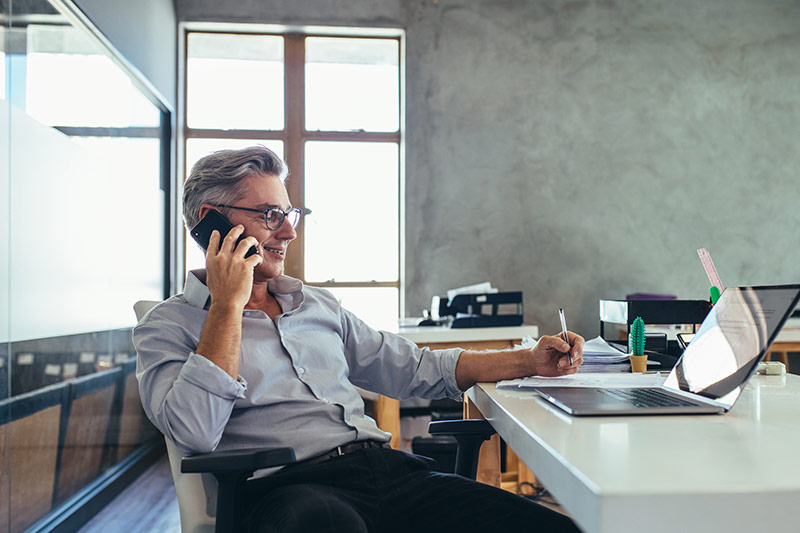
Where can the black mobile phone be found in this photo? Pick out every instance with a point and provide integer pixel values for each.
(215, 221)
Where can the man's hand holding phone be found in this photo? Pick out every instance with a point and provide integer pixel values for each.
(229, 278)
(229, 274)
(230, 258)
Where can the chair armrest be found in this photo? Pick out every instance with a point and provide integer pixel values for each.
(469, 435)
(475, 427)
(237, 460)
(230, 469)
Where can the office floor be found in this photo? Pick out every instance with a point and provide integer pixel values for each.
(148, 505)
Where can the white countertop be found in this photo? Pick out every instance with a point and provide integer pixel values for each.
(430, 334)
(788, 335)
(790, 331)
(734, 472)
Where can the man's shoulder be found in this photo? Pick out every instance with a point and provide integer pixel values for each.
(173, 309)
(322, 295)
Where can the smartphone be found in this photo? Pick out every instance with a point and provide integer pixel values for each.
(215, 221)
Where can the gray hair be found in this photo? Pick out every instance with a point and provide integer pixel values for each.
(217, 178)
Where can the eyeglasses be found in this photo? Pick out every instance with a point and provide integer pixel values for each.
(274, 216)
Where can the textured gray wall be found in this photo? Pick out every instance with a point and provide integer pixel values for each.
(585, 149)
(364, 13)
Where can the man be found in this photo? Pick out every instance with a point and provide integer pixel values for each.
(247, 357)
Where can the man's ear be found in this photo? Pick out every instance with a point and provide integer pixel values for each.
(205, 208)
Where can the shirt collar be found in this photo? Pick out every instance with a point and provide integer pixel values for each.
(196, 292)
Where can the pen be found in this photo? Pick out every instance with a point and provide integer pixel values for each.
(564, 331)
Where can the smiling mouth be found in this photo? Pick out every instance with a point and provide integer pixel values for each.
(277, 251)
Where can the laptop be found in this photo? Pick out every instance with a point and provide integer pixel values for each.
(714, 368)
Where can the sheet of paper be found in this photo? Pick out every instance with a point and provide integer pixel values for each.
(599, 346)
(478, 288)
(597, 350)
(600, 379)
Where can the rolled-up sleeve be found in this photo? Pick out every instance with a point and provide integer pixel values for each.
(393, 366)
(186, 396)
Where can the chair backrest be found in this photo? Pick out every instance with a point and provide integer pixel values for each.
(197, 493)
(143, 306)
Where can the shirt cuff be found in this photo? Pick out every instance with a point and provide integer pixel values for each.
(201, 372)
(449, 359)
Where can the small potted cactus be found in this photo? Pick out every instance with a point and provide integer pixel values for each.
(636, 345)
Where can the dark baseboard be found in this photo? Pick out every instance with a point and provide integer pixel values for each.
(83, 506)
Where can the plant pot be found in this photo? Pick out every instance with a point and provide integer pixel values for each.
(639, 363)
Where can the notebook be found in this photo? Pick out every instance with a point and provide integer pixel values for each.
(714, 368)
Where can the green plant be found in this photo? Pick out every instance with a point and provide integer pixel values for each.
(636, 342)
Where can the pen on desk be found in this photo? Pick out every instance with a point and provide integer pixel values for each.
(564, 331)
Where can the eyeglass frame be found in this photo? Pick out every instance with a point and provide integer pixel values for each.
(266, 212)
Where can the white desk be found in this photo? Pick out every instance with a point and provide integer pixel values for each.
(734, 472)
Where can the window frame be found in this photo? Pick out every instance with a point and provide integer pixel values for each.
(294, 134)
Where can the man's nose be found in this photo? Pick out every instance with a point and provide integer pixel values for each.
(286, 231)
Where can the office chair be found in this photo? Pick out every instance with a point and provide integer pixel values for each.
(206, 501)
(206, 484)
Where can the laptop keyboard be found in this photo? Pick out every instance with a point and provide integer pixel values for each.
(645, 397)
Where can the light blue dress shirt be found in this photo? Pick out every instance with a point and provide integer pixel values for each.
(296, 373)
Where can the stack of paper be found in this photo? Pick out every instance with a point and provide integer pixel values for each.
(591, 380)
(599, 356)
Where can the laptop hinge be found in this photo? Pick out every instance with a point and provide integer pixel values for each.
(697, 398)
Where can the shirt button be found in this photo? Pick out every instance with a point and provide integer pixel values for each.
(301, 370)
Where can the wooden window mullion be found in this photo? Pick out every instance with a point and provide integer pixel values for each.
(294, 109)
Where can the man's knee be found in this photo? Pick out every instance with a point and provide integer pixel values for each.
(302, 508)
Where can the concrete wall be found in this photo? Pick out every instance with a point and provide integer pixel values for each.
(363, 13)
(145, 32)
(585, 149)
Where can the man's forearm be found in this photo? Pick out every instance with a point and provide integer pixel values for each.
(474, 367)
(221, 339)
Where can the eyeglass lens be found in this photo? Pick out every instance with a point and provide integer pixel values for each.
(274, 217)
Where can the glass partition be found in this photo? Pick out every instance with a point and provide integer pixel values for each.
(83, 192)
(5, 457)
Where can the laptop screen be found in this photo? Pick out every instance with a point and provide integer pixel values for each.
(732, 340)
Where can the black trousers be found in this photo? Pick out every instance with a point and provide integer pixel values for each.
(384, 490)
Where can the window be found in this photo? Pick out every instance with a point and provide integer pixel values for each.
(331, 106)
